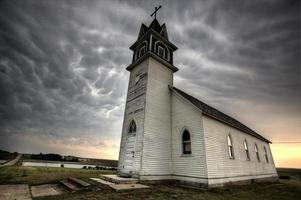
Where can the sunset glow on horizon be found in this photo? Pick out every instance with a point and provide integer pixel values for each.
(287, 155)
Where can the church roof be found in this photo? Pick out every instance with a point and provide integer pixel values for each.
(155, 25)
(218, 115)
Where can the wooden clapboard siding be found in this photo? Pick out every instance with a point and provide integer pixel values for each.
(156, 157)
(219, 165)
(134, 110)
(186, 116)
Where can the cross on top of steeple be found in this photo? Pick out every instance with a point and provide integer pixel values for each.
(155, 12)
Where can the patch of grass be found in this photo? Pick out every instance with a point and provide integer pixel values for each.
(40, 175)
(284, 190)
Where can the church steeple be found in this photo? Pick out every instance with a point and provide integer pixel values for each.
(153, 41)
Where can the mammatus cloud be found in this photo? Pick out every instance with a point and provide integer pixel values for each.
(63, 80)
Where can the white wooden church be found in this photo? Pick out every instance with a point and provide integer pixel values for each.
(168, 134)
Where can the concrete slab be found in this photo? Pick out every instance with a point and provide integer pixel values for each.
(79, 181)
(120, 180)
(15, 192)
(69, 185)
(123, 187)
(102, 181)
(46, 190)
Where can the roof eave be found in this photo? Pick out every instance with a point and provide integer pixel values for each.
(151, 54)
(213, 117)
(256, 135)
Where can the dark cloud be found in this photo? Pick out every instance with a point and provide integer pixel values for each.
(62, 65)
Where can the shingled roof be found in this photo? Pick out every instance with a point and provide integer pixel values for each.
(218, 115)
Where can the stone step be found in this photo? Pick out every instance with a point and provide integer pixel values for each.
(102, 181)
(79, 182)
(124, 187)
(119, 180)
(46, 190)
(67, 184)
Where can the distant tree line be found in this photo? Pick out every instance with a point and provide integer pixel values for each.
(5, 155)
(53, 157)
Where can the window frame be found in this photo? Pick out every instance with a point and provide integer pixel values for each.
(140, 49)
(163, 51)
(167, 53)
(257, 152)
(266, 155)
(246, 147)
(185, 142)
(132, 125)
(230, 146)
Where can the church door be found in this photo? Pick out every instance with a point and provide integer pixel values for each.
(130, 149)
(130, 154)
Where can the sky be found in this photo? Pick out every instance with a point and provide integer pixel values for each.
(63, 81)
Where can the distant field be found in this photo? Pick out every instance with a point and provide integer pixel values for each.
(286, 189)
(100, 162)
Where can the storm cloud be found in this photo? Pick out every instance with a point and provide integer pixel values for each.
(62, 67)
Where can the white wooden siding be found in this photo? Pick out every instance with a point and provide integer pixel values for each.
(134, 110)
(156, 158)
(219, 165)
(185, 116)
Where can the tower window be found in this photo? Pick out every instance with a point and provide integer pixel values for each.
(230, 147)
(266, 155)
(246, 150)
(161, 52)
(186, 143)
(257, 153)
(132, 128)
(141, 51)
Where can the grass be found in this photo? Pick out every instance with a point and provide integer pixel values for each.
(276, 191)
(285, 189)
(40, 175)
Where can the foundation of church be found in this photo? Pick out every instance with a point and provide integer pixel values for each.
(203, 184)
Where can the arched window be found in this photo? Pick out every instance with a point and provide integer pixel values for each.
(246, 150)
(186, 142)
(230, 147)
(141, 51)
(257, 153)
(161, 51)
(266, 154)
(132, 128)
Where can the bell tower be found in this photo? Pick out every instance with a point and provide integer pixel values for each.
(153, 41)
(145, 147)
